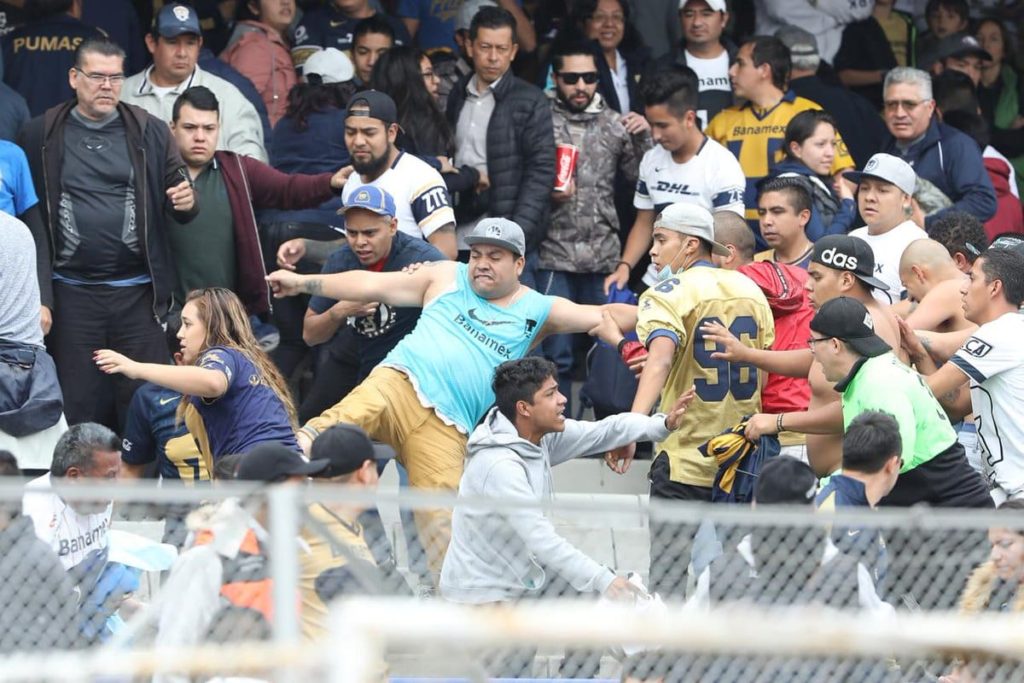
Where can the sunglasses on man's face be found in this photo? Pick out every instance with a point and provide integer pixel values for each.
(571, 77)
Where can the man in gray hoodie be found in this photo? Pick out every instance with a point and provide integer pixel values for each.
(500, 556)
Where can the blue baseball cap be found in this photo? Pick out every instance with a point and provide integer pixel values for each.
(371, 198)
(176, 19)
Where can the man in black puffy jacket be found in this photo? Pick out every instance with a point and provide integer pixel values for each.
(503, 129)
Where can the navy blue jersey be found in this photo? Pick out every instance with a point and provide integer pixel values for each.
(152, 432)
(249, 412)
(38, 56)
(328, 27)
(384, 329)
(864, 544)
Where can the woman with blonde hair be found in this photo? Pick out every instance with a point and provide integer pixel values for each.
(996, 585)
(225, 378)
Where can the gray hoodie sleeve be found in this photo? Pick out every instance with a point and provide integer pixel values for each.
(507, 479)
(585, 438)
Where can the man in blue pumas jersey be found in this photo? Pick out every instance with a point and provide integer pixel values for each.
(431, 390)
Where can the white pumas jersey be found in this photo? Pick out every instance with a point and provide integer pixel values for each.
(993, 359)
(712, 179)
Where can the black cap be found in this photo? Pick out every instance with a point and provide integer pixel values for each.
(959, 45)
(345, 447)
(842, 252)
(275, 462)
(784, 480)
(848, 319)
(380, 106)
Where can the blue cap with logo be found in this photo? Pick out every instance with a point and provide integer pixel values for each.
(370, 198)
(176, 19)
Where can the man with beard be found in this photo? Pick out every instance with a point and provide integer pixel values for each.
(582, 244)
(422, 206)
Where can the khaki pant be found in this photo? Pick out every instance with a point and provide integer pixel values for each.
(385, 405)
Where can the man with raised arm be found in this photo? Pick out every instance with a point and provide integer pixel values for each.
(431, 390)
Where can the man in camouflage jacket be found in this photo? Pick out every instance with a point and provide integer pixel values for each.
(582, 243)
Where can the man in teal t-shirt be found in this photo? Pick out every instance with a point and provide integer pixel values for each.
(870, 377)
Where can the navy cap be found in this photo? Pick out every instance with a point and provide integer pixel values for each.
(380, 106)
(176, 19)
(371, 198)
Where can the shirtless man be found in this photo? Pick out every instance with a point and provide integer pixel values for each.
(933, 284)
(840, 266)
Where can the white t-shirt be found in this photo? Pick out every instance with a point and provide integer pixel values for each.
(888, 249)
(421, 198)
(993, 360)
(713, 74)
(712, 179)
(73, 536)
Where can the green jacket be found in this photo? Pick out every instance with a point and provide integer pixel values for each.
(884, 383)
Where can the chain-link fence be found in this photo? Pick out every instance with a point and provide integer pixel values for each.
(203, 583)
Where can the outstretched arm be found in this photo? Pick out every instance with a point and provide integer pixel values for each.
(397, 289)
(185, 379)
(795, 363)
(567, 317)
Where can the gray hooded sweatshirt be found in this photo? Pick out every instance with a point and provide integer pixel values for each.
(500, 555)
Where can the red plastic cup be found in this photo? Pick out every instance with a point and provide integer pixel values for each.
(565, 166)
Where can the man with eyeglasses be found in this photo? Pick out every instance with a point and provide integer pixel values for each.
(106, 172)
(37, 55)
(870, 376)
(940, 154)
(582, 244)
(503, 129)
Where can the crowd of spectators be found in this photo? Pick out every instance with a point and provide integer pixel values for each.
(232, 230)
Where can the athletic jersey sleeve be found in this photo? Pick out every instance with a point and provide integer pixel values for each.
(661, 314)
(728, 185)
(642, 195)
(983, 356)
(431, 208)
(222, 360)
(716, 129)
(308, 37)
(138, 446)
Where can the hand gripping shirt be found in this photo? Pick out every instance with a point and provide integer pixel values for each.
(459, 340)
(676, 308)
(993, 359)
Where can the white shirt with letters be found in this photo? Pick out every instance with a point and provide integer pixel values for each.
(993, 360)
(888, 250)
(73, 536)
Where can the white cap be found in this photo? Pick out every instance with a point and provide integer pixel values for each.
(330, 64)
(716, 5)
(468, 10)
(690, 219)
(889, 168)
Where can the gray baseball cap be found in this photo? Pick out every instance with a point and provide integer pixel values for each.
(690, 219)
(468, 10)
(499, 232)
(889, 168)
